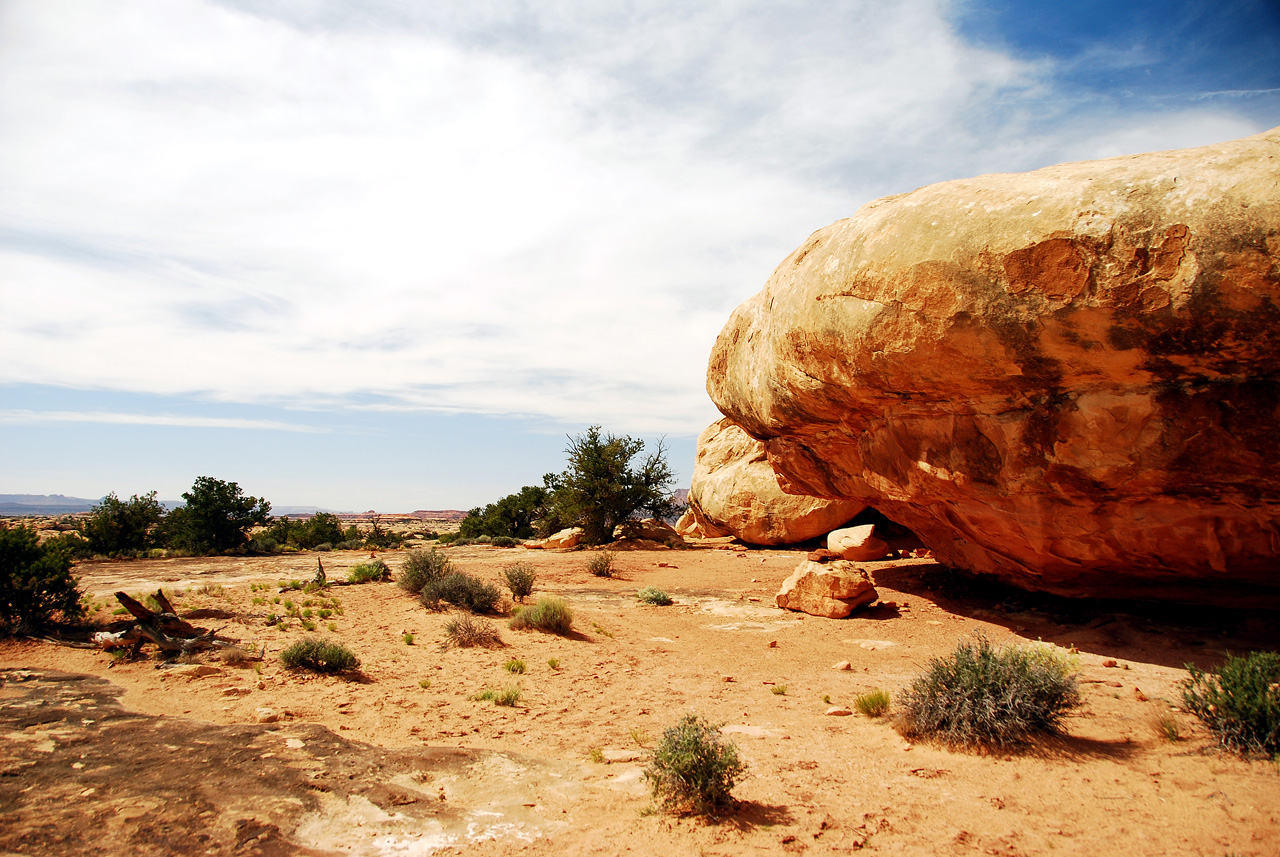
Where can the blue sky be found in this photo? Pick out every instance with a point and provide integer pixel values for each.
(389, 254)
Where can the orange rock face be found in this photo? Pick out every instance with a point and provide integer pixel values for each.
(734, 492)
(1068, 378)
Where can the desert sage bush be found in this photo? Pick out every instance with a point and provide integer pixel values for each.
(693, 769)
(550, 614)
(464, 632)
(873, 703)
(981, 695)
(460, 590)
(319, 656)
(655, 596)
(520, 578)
(423, 566)
(601, 564)
(1240, 703)
(369, 571)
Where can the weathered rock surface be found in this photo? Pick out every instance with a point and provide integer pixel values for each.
(831, 590)
(650, 529)
(858, 544)
(1068, 378)
(563, 540)
(734, 492)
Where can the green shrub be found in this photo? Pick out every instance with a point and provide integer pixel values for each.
(116, 527)
(1240, 703)
(516, 666)
(35, 582)
(520, 578)
(693, 768)
(423, 566)
(981, 695)
(348, 545)
(464, 632)
(460, 590)
(323, 547)
(601, 564)
(508, 695)
(369, 571)
(550, 614)
(655, 596)
(320, 656)
(504, 542)
(263, 544)
(873, 703)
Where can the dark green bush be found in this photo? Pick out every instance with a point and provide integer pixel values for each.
(549, 614)
(503, 541)
(116, 526)
(215, 519)
(1240, 703)
(35, 582)
(520, 579)
(460, 590)
(423, 566)
(693, 768)
(369, 571)
(981, 695)
(319, 656)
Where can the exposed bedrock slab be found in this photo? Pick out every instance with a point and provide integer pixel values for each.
(1066, 378)
(734, 492)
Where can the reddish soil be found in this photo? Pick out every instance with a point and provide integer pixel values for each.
(105, 757)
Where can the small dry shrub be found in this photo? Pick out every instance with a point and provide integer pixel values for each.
(655, 596)
(873, 703)
(1240, 703)
(423, 566)
(464, 631)
(319, 656)
(460, 590)
(601, 564)
(520, 578)
(369, 571)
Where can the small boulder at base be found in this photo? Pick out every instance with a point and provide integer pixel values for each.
(857, 544)
(649, 529)
(564, 539)
(831, 590)
(734, 492)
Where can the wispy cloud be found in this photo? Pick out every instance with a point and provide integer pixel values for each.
(546, 209)
(28, 417)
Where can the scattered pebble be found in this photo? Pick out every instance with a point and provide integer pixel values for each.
(726, 678)
(773, 644)
(1110, 663)
(838, 711)
(842, 665)
(266, 715)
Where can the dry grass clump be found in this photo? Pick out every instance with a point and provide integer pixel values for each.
(981, 695)
(507, 696)
(550, 614)
(873, 703)
(370, 571)
(464, 632)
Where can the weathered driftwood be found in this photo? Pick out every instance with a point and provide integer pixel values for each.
(165, 629)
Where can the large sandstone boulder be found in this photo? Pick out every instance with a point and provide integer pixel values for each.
(859, 544)
(734, 492)
(831, 590)
(1068, 378)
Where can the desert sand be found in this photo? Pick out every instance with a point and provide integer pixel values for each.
(111, 757)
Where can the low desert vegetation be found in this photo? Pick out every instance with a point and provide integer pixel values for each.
(550, 614)
(508, 696)
(873, 703)
(778, 690)
(422, 567)
(369, 571)
(36, 584)
(520, 578)
(464, 631)
(655, 596)
(985, 696)
(693, 768)
(515, 666)
(1168, 726)
(1240, 704)
(601, 564)
(319, 655)
(460, 590)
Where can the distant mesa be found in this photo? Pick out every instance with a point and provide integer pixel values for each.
(1068, 379)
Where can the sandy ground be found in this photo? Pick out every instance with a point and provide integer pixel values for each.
(560, 773)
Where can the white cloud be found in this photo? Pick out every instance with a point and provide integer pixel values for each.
(546, 209)
(19, 416)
